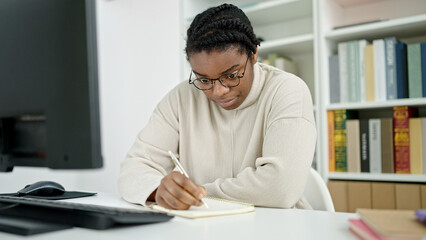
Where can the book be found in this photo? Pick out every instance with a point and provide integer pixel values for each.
(340, 117)
(387, 145)
(331, 153)
(379, 70)
(401, 70)
(391, 87)
(353, 71)
(423, 66)
(217, 207)
(353, 145)
(285, 64)
(343, 71)
(424, 150)
(374, 125)
(333, 71)
(363, 231)
(416, 162)
(414, 71)
(369, 73)
(365, 154)
(393, 223)
(401, 136)
(362, 44)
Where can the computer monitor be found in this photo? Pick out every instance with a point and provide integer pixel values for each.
(49, 101)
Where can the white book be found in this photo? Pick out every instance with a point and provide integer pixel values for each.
(375, 144)
(217, 207)
(343, 71)
(379, 69)
(362, 44)
(286, 65)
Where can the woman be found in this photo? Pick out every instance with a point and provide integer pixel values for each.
(243, 130)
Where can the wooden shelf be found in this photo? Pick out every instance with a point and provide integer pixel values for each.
(385, 177)
(288, 46)
(400, 28)
(384, 104)
(279, 10)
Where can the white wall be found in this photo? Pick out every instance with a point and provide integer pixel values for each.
(139, 61)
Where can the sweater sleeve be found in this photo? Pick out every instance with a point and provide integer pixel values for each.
(147, 161)
(278, 177)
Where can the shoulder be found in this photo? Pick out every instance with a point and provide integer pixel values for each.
(281, 80)
(183, 94)
(287, 93)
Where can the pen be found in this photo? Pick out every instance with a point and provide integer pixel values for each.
(181, 170)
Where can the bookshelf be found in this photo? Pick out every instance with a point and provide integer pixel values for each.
(406, 24)
(315, 38)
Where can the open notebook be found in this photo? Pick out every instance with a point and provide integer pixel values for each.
(217, 207)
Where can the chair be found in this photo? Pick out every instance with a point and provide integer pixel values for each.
(317, 194)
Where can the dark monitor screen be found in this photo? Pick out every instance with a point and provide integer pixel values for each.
(49, 101)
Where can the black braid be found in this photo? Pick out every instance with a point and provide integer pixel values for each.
(220, 28)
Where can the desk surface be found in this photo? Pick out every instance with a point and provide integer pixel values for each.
(264, 223)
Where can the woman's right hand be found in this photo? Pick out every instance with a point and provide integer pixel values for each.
(178, 192)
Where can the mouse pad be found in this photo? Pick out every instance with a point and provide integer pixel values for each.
(66, 195)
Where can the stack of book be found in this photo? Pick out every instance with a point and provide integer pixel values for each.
(377, 145)
(281, 62)
(383, 70)
(387, 224)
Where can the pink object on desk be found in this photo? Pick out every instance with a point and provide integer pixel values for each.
(363, 231)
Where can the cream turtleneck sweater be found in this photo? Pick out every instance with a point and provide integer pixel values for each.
(259, 153)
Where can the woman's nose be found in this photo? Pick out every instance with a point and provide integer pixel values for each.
(219, 89)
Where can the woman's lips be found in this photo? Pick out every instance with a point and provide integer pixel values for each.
(227, 103)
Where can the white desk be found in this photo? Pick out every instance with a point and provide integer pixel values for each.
(264, 223)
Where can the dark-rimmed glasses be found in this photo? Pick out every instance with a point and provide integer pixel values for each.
(228, 80)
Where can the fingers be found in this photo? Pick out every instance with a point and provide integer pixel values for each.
(196, 191)
(178, 192)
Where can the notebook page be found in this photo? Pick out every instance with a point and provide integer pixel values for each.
(217, 207)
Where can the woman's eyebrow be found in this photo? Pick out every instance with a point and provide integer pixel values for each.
(227, 70)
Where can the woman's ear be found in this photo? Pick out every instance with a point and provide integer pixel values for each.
(254, 56)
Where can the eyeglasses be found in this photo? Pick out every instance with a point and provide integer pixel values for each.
(227, 80)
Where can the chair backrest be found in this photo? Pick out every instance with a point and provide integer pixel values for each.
(317, 194)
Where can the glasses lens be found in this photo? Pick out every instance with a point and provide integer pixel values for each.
(230, 80)
(203, 83)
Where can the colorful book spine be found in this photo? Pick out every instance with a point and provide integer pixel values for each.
(333, 70)
(391, 87)
(414, 71)
(423, 66)
(401, 134)
(401, 70)
(364, 143)
(343, 71)
(369, 73)
(340, 117)
(331, 153)
(374, 125)
(416, 163)
(387, 145)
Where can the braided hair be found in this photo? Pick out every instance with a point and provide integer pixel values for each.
(220, 28)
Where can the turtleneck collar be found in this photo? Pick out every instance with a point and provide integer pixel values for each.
(256, 87)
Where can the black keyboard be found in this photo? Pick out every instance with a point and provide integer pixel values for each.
(76, 214)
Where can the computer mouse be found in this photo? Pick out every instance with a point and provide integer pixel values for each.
(42, 189)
